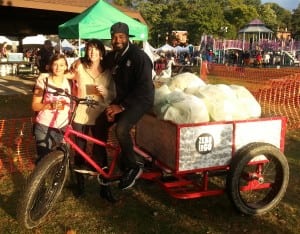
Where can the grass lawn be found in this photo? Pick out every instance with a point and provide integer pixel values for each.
(146, 208)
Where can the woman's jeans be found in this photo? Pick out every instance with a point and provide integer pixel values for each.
(46, 139)
(80, 142)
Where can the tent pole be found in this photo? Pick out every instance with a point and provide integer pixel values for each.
(79, 49)
(60, 47)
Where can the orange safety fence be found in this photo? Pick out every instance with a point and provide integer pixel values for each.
(276, 90)
(281, 99)
(249, 74)
(17, 146)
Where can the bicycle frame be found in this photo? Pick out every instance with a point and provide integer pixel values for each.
(116, 150)
(69, 132)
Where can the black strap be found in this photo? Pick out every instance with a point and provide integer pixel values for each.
(44, 92)
(45, 88)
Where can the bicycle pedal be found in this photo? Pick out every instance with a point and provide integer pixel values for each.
(85, 171)
(106, 182)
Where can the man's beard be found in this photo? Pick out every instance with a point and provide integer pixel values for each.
(120, 47)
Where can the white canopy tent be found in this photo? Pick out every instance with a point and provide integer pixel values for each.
(5, 39)
(66, 45)
(180, 49)
(166, 48)
(34, 41)
(150, 51)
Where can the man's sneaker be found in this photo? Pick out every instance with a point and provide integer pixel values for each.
(128, 179)
(86, 170)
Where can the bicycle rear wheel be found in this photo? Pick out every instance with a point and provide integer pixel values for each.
(258, 178)
(42, 189)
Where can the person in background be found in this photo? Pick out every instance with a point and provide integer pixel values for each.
(4, 50)
(204, 69)
(259, 59)
(52, 110)
(44, 55)
(209, 58)
(266, 59)
(92, 81)
(131, 69)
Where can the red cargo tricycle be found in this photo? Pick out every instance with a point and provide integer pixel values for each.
(243, 158)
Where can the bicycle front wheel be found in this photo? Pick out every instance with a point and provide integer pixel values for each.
(42, 189)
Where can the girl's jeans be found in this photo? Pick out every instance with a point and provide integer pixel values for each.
(46, 139)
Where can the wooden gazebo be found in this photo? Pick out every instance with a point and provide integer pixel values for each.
(255, 31)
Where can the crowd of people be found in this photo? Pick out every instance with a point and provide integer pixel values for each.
(38, 56)
(121, 81)
(253, 58)
(232, 57)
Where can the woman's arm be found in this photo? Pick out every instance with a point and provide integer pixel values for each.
(72, 72)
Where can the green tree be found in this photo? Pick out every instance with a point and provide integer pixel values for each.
(239, 15)
(197, 17)
(295, 23)
(268, 16)
(153, 12)
(200, 17)
(255, 3)
(283, 16)
(127, 3)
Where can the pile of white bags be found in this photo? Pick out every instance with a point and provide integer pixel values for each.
(187, 99)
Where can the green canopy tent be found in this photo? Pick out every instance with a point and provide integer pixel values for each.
(95, 22)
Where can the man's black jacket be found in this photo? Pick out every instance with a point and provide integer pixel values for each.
(132, 73)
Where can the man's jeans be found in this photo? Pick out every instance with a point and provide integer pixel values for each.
(46, 139)
(124, 123)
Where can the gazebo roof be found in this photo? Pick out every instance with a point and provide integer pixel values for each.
(255, 26)
(256, 22)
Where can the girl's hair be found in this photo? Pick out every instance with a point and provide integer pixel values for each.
(56, 57)
(98, 45)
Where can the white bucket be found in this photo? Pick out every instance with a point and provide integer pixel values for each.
(3, 70)
(9, 69)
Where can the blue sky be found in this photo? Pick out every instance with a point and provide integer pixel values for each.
(287, 4)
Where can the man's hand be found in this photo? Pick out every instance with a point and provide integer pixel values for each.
(112, 110)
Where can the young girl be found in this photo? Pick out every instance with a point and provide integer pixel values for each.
(52, 110)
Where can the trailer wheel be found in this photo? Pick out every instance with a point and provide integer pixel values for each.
(258, 178)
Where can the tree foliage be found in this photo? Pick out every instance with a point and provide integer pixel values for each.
(295, 22)
(208, 17)
(269, 16)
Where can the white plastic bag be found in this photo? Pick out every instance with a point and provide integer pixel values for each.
(161, 94)
(228, 102)
(183, 108)
(184, 81)
(248, 106)
(220, 101)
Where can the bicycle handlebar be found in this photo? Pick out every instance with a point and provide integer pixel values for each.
(63, 92)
